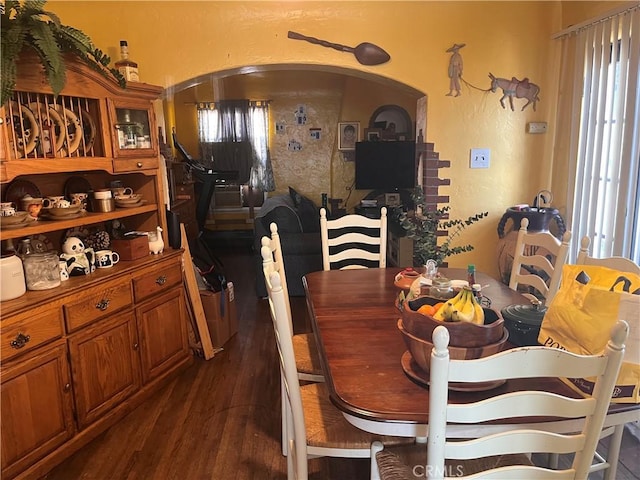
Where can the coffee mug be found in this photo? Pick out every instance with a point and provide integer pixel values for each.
(31, 205)
(79, 198)
(54, 201)
(106, 258)
(122, 191)
(8, 210)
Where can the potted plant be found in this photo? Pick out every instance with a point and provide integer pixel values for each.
(424, 223)
(26, 25)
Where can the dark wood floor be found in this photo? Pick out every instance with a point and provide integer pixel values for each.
(220, 419)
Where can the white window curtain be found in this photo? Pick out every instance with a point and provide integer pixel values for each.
(600, 104)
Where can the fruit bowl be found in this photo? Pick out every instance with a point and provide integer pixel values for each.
(462, 334)
(420, 348)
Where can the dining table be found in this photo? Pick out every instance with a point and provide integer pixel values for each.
(354, 317)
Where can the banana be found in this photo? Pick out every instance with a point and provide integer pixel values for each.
(464, 311)
(479, 312)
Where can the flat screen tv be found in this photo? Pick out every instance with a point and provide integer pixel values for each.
(385, 165)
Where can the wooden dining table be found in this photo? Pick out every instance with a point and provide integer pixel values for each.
(354, 318)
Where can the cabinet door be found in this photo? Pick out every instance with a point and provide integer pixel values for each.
(133, 132)
(105, 366)
(37, 409)
(162, 326)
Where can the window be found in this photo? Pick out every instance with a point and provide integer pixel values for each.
(604, 152)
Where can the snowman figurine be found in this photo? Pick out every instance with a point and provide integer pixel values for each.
(79, 260)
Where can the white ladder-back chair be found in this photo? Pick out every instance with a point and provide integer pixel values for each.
(350, 241)
(505, 455)
(305, 351)
(617, 263)
(530, 262)
(315, 427)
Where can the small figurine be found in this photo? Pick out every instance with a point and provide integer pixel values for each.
(156, 243)
(79, 260)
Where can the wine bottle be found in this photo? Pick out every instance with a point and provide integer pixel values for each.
(127, 67)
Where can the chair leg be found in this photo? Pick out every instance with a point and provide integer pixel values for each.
(283, 408)
(614, 452)
(375, 448)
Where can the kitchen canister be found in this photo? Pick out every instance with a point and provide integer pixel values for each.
(11, 278)
(42, 271)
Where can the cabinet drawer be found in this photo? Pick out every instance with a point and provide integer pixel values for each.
(27, 331)
(97, 303)
(134, 164)
(157, 280)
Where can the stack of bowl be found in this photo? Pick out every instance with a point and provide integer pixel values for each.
(467, 340)
(128, 201)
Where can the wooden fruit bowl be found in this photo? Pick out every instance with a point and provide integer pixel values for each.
(462, 334)
(420, 348)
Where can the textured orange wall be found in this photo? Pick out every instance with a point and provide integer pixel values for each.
(176, 41)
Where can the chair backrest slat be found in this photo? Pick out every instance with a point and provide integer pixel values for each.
(347, 241)
(617, 263)
(530, 263)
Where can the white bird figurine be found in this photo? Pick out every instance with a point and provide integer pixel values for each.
(156, 243)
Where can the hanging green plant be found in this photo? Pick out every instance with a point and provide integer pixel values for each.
(423, 229)
(26, 25)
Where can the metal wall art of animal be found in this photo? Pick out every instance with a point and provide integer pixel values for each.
(516, 88)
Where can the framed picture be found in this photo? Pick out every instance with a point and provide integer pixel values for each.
(348, 135)
(373, 134)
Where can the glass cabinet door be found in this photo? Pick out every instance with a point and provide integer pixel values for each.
(133, 132)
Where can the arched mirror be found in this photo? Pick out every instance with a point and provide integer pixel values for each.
(390, 122)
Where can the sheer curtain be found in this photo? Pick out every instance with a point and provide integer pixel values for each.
(234, 136)
(600, 104)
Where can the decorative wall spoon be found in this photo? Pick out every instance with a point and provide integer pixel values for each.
(366, 53)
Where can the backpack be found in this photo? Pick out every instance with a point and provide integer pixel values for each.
(209, 266)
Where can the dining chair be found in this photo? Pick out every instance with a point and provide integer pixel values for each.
(353, 241)
(506, 454)
(532, 266)
(315, 427)
(305, 351)
(617, 263)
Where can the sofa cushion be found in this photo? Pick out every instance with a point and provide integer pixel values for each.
(307, 210)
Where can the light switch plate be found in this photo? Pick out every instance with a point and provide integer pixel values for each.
(537, 127)
(480, 158)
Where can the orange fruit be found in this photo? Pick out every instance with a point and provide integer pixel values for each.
(437, 306)
(427, 310)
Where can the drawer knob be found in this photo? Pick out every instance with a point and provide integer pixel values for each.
(102, 305)
(67, 387)
(135, 346)
(20, 341)
(139, 164)
(161, 280)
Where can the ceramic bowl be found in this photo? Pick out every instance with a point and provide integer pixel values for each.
(462, 334)
(420, 348)
(128, 199)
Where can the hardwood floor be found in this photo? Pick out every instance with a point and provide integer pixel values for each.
(220, 419)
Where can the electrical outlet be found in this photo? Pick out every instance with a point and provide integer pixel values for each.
(480, 158)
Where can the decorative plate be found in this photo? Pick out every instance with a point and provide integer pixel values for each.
(48, 216)
(27, 221)
(73, 130)
(89, 133)
(41, 244)
(49, 118)
(25, 129)
(18, 189)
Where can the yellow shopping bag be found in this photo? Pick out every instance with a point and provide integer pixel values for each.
(589, 302)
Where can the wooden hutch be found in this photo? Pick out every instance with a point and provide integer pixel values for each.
(78, 357)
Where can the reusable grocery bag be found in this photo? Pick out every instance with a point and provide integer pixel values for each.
(580, 317)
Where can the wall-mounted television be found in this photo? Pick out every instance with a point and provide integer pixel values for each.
(385, 165)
